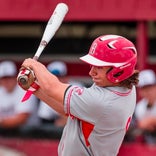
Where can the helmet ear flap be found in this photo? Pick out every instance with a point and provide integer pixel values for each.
(114, 74)
(118, 74)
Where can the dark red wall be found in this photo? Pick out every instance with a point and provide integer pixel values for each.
(86, 10)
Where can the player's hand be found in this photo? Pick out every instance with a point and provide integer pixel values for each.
(34, 86)
(26, 78)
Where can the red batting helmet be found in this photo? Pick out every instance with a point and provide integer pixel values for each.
(114, 51)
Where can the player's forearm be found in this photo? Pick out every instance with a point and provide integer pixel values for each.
(57, 106)
(51, 86)
(49, 83)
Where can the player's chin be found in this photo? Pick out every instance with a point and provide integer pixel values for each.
(98, 83)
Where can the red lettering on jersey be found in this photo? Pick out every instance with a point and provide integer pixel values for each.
(79, 90)
(87, 128)
(128, 122)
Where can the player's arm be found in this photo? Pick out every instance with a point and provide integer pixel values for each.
(57, 106)
(51, 90)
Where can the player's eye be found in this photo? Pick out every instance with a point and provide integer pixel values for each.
(96, 67)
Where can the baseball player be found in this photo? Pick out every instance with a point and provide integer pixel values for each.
(98, 116)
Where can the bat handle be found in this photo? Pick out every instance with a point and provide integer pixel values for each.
(23, 79)
(35, 57)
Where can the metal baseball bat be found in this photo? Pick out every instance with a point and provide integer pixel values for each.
(52, 26)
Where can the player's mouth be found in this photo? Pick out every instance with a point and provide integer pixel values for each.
(96, 80)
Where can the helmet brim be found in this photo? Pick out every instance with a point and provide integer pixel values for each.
(96, 62)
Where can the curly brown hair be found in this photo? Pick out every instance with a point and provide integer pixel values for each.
(132, 80)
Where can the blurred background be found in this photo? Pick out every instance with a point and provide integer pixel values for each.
(22, 23)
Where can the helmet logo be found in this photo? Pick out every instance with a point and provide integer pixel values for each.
(93, 47)
(133, 48)
(110, 44)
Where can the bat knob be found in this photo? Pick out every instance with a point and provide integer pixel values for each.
(23, 79)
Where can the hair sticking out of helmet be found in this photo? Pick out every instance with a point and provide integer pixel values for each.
(114, 51)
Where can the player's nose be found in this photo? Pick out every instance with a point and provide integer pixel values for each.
(92, 71)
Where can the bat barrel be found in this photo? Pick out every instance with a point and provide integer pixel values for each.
(52, 26)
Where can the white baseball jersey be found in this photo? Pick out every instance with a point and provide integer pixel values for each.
(98, 120)
(10, 105)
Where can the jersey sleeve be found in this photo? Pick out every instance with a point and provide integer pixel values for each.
(83, 103)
